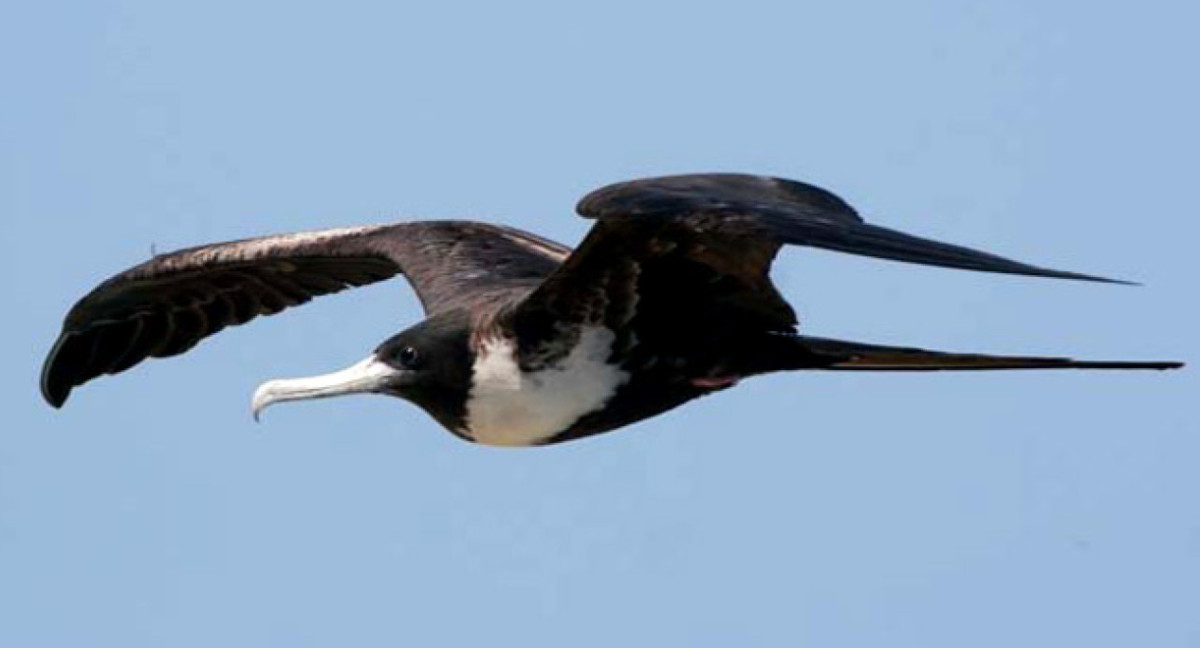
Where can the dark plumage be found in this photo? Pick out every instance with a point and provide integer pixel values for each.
(527, 342)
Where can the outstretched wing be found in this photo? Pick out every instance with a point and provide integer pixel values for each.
(697, 249)
(164, 306)
(786, 211)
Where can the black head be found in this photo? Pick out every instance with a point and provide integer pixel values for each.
(433, 364)
(428, 364)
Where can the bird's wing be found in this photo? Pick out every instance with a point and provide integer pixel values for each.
(166, 305)
(786, 211)
(703, 245)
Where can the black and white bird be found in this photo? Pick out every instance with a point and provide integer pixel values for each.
(527, 342)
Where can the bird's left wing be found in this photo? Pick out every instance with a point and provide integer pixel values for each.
(164, 306)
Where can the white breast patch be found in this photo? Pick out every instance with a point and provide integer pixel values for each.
(510, 408)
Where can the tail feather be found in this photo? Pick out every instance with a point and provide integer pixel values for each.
(842, 355)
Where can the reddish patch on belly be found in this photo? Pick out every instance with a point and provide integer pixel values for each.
(715, 382)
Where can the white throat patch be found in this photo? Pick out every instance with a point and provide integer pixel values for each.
(508, 407)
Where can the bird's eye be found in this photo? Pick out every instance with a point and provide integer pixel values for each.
(408, 358)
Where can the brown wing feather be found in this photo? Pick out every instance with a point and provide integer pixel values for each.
(794, 213)
(658, 283)
(165, 306)
(698, 249)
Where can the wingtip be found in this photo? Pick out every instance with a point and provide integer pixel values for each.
(54, 389)
(1067, 274)
(56, 398)
(1116, 282)
(1153, 365)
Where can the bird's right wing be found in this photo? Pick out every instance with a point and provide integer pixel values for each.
(786, 212)
(164, 306)
(686, 255)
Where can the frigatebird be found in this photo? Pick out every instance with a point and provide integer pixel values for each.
(527, 342)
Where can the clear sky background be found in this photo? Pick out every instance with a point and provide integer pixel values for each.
(1016, 509)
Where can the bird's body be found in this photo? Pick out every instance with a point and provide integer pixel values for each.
(509, 406)
(528, 342)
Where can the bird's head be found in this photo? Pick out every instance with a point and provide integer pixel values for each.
(428, 364)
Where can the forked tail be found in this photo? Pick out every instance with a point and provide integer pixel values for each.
(840, 355)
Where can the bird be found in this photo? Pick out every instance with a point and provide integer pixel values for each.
(527, 342)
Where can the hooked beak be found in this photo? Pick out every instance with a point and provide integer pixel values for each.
(368, 376)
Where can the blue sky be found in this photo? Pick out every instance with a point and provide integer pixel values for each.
(803, 509)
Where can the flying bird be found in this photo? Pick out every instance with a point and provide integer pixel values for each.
(527, 342)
